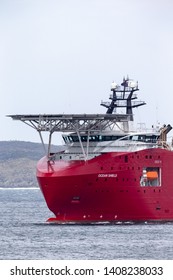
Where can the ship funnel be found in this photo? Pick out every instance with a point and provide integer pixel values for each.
(163, 132)
(169, 127)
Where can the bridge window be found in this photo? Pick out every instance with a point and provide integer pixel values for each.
(92, 138)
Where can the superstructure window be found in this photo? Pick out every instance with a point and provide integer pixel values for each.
(126, 158)
(97, 138)
(92, 138)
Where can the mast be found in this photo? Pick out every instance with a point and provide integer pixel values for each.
(123, 97)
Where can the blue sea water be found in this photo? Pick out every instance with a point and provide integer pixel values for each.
(24, 234)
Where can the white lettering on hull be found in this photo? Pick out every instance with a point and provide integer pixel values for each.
(107, 175)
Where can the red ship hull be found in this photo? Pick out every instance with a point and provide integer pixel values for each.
(108, 187)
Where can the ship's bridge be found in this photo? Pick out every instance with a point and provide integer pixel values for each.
(149, 137)
(96, 144)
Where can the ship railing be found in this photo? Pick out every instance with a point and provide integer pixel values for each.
(158, 144)
(129, 147)
(72, 156)
(134, 146)
(77, 152)
(122, 95)
(120, 103)
(105, 103)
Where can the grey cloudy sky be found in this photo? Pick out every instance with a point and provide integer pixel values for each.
(60, 56)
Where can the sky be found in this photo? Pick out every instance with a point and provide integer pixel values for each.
(61, 56)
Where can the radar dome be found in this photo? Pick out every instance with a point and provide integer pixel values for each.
(113, 85)
(132, 84)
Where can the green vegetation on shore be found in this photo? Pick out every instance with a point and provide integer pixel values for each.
(18, 161)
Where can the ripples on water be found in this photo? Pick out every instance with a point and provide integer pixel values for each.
(24, 234)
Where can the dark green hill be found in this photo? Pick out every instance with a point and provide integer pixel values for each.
(20, 149)
(18, 161)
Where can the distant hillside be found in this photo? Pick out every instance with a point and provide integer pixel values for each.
(20, 149)
(18, 161)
